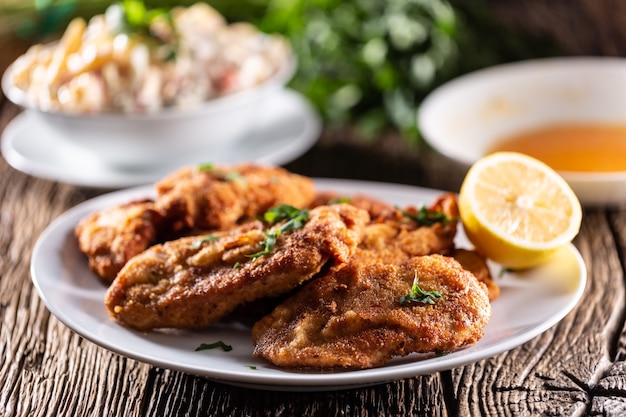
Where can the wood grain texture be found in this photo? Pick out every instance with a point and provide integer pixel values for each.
(578, 27)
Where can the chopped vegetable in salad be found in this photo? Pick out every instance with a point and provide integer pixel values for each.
(131, 59)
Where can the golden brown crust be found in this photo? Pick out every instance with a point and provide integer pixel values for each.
(111, 237)
(476, 263)
(220, 197)
(353, 318)
(396, 237)
(188, 200)
(375, 207)
(185, 285)
(360, 258)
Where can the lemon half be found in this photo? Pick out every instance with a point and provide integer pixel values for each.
(517, 210)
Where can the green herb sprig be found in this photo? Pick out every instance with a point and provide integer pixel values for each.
(428, 217)
(295, 220)
(215, 345)
(339, 200)
(417, 295)
(198, 242)
(366, 64)
(206, 166)
(231, 175)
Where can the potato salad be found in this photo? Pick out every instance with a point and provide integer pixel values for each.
(131, 59)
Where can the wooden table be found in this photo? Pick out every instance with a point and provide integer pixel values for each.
(575, 368)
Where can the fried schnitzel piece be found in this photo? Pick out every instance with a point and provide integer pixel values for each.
(187, 200)
(375, 207)
(219, 197)
(193, 282)
(111, 237)
(354, 318)
(476, 263)
(403, 234)
(395, 235)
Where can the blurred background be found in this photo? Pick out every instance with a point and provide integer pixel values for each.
(367, 64)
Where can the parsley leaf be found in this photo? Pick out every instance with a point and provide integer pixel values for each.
(504, 271)
(233, 175)
(427, 217)
(198, 242)
(281, 212)
(295, 220)
(339, 200)
(219, 344)
(417, 295)
(207, 166)
(221, 174)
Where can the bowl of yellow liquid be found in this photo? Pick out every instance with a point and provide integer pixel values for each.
(568, 112)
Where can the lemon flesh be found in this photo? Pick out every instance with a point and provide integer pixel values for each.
(517, 210)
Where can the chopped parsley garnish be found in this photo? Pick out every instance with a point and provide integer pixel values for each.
(417, 295)
(504, 271)
(232, 176)
(428, 217)
(295, 220)
(198, 242)
(207, 166)
(268, 244)
(221, 174)
(339, 200)
(219, 344)
(252, 367)
(283, 212)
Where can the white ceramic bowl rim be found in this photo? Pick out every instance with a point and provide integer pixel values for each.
(217, 104)
(515, 69)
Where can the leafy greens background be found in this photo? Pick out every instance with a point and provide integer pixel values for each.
(366, 63)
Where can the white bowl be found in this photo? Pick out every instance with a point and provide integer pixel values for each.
(463, 118)
(135, 141)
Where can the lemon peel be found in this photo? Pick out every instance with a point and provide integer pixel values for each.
(517, 210)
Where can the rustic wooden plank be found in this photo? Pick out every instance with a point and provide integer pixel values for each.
(189, 394)
(610, 392)
(556, 372)
(47, 369)
(608, 406)
(568, 23)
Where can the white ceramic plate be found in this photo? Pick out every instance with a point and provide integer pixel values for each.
(288, 126)
(463, 118)
(530, 303)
